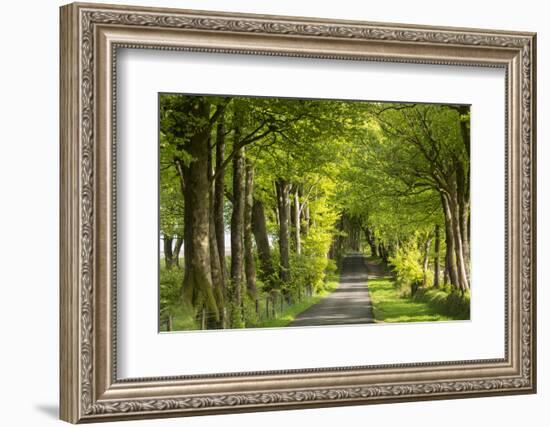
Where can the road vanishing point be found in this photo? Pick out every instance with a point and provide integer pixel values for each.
(349, 304)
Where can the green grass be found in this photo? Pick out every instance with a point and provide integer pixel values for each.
(445, 300)
(182, 321)
(389, 306)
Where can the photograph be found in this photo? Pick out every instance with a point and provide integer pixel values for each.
(289, 212)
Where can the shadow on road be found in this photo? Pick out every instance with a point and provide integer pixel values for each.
(349, 304)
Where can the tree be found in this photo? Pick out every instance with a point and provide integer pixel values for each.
(186, 124)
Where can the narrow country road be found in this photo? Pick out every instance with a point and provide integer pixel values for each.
(348, 304)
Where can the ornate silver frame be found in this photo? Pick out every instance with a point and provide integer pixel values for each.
(90, 35)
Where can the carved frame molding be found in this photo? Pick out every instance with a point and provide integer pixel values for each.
(90, 36)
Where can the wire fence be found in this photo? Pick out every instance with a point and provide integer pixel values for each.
(267, 306)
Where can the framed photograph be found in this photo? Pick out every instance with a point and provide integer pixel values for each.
(266, 212)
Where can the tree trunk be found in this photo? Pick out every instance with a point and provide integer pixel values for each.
(463, 212)
(216, 267)
(217, 278)
(336, 245)
(383, 252)
(464, 128)
(177, 250)
(464, 187)
(219, 196)
(452, 212)
(168, 255)
(181, 175)
(292, 213)
(450, 243)
(465, 232)
(425, 264)
(187, 232)
(297, 220)
(259, 228)
(306, 218)
(464, 222)
(459, 250)
(237, 230)
(437, 271)
(249, 265)
(197, 282)
(371, 240)
(283, 189)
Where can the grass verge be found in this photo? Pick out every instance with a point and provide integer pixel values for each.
(291, 312)
(445, 300)
(389, 306)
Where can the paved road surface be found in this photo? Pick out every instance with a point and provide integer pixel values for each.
(348, 304)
